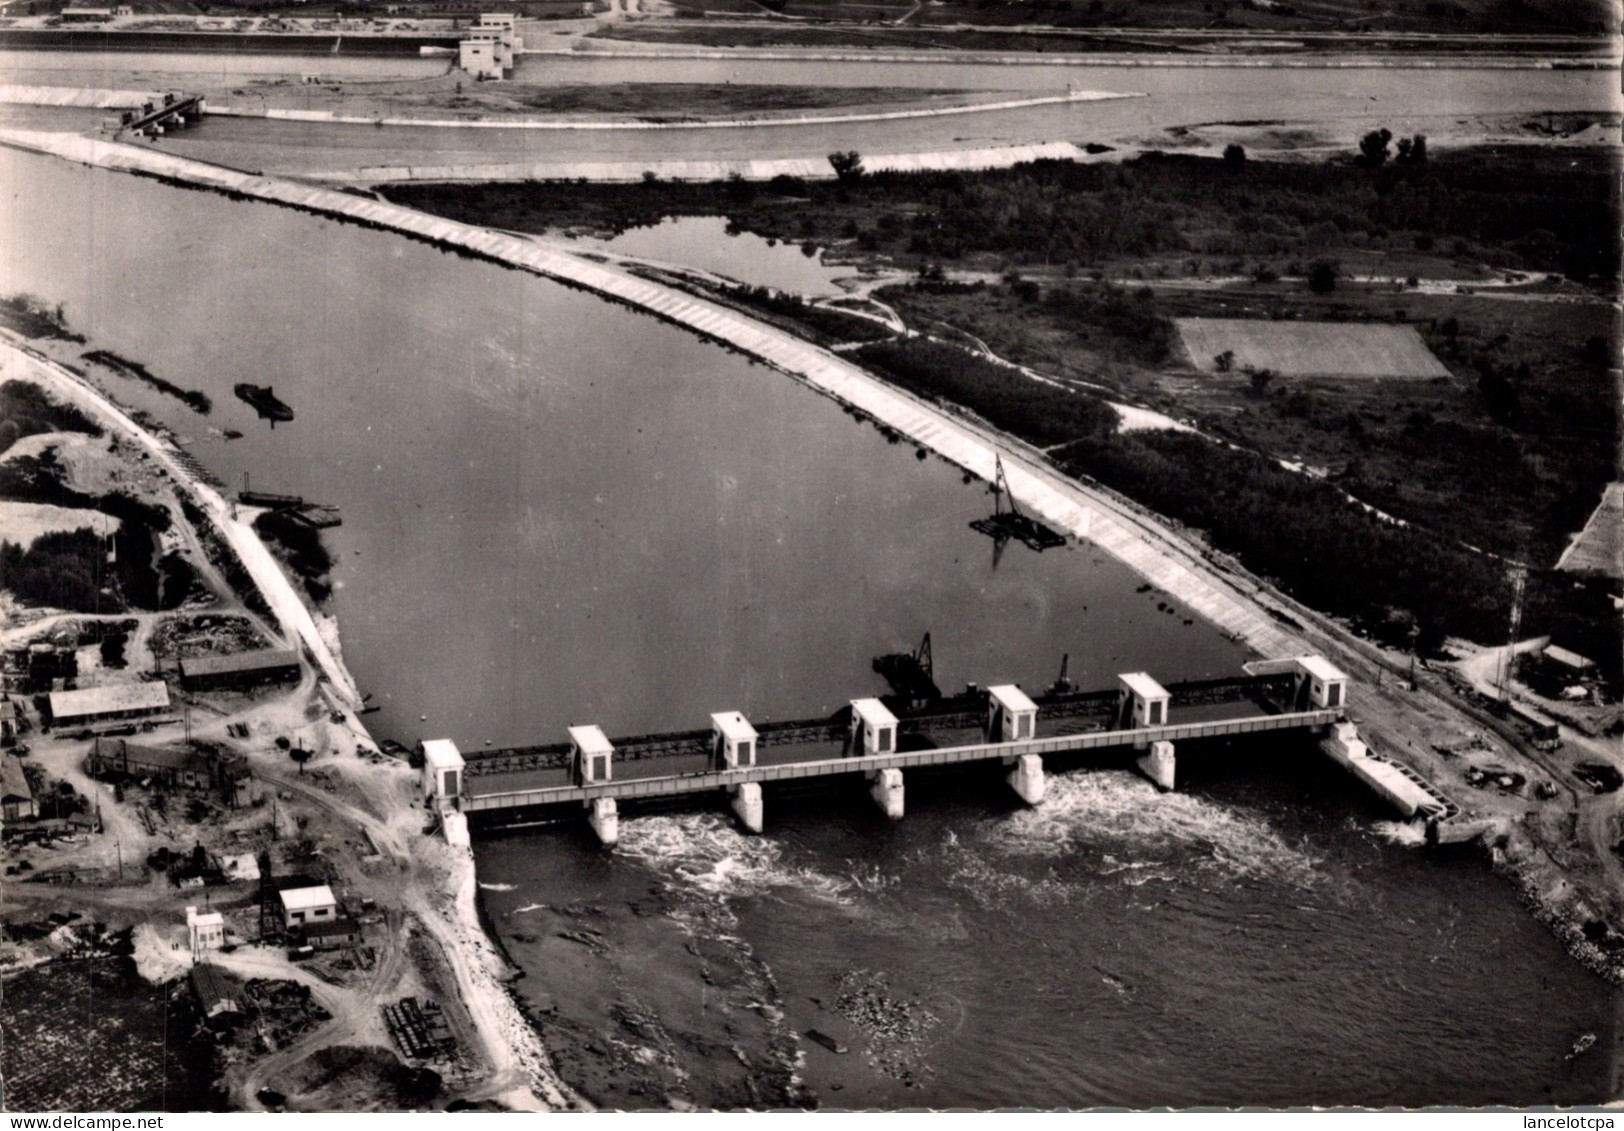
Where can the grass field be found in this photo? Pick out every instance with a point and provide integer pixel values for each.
(1310, 349)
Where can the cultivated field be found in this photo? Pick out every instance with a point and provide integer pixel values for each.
(1310, 349)
(1599, 549)
(89, 1035)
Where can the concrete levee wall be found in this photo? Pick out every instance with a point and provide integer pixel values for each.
(644, 124)
(16, 94)
(1062, 503)
(627, 172)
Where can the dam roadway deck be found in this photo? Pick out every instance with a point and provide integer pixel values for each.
(666, 785)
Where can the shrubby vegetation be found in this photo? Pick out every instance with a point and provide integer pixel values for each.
(303, 548)
(820, 323)
(25, 410)
(1537, 213)
(65, 569)
(195, 399)
(32, 318)
(69, 569)
(1333, 555)
(1003, 397)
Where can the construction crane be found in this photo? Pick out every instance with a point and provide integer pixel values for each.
(912, 676)
(1005, 524)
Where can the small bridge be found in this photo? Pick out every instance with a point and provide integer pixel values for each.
(176, 112)
(733, 758)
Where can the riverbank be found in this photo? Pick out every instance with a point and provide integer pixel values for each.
(294, 617)
(434, 884)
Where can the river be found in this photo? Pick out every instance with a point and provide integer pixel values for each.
(1329, 107)
(557, 511)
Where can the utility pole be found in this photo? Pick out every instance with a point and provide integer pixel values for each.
(1519, 580)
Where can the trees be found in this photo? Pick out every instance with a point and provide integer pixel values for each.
(1373, 148)
(1322, 275)
(1225, 361)
(1234, 155)
(1260, 380)
(1412, 150)
(848, 166)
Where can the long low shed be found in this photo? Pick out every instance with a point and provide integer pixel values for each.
(239, 669)
(121, 701)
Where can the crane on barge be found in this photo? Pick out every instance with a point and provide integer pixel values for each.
(1008, 521)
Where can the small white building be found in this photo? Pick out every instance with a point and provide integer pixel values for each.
(733, 740)
(1327, 684)
(1011, 714)
(592, 755)
(1149, 699)
(442, 772)
(487, 49)
(308, 905)
(873, 727)
(206, 930)
(477, 56)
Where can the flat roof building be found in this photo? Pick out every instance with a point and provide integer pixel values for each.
(733, 739)
(118, 701)
(303, 906)
(1149, 699)
(206, 930)
(874, 727)
(442, 771)
(1011, 714)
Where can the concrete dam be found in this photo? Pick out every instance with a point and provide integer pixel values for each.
(590, 773)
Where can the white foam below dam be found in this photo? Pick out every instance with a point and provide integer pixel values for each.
(1133, 833)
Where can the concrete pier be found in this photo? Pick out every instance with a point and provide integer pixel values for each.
(1157, 765)
(1403, 789)
(747, 805)
(887, 792)
(604, 818)
(1026, 778)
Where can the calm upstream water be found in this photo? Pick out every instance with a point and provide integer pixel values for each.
(1329, 107)
(557, 511)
